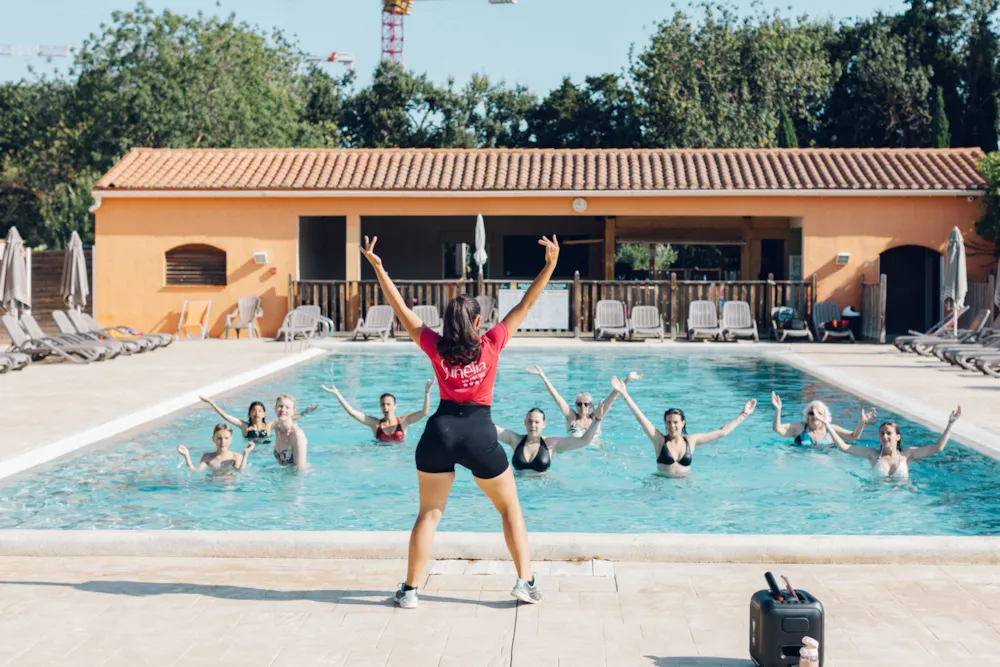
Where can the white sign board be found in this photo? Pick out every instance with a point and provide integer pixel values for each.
(551, 311)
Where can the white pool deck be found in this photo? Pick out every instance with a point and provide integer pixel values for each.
(137, 600)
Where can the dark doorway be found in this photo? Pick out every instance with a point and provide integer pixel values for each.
(772, 259)
(524, 258)
(322, 241)
(913, 288)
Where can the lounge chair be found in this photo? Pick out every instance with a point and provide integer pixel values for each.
(429, 315)
(646, 321)
(244, 317)
(973, 337)
(38, 349)
(194, 319)
(738, 321)
(377, 323)
(84, 322)
(703, 320)
(67, 328)
(942, 330)
(324, 325)
(488, 311)
(780, 334)
(107, 349)
(299, 324)
(826, 311)
(972, 357)
(13, 361)
(609, 319)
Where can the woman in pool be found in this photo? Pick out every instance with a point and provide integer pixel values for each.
(675, 449)
(221, 458)
(578, 420)
(255, 428)
(534, 453)
(389, 428)
(461, 431)
(289, 439)
(815, 427)
(890, 459)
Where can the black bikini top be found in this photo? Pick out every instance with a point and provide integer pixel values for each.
(540, 463)
(666, 459)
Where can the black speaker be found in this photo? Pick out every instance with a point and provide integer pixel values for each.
(777, 628)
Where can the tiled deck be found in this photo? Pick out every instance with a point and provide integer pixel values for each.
(299, 613)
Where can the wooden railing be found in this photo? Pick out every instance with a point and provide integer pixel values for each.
(873, 310)
(344, 301)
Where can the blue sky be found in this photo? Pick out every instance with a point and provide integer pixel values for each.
(535, 42)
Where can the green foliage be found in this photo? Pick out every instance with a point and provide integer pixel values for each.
(940, 128)
(787, 137)
(988, 226)
(602, 113)
(637, 256)
(982, 79)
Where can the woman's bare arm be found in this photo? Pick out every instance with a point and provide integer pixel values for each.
(561, 403)
(917, 453)
(356, 414)
(410, 322)
(861, 452)
(508, 438)
(520, 311)
(228, 417)
(414, 417)
(242, 463)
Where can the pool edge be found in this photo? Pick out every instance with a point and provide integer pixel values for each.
(40, 454)
(679, 548)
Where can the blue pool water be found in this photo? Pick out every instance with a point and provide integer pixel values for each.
(751, 482)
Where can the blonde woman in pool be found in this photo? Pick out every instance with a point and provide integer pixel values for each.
(674, 448)
(890, 459)
(290, 444)
(816, 425)
(221, 458)
(578, 420)
(255, 427)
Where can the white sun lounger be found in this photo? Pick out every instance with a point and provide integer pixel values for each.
(40, 348)
(107, 349)
(737, 320)
(84, 322)
(823, 312)
(646, 321)
(609, 319)
(377, 323)
(66, 327)
(13, 361)
(488, 311)
(430, 316)
(703, 320)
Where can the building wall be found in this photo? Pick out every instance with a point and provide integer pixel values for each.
(132, 235)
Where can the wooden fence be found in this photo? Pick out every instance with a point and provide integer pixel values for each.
(344, 301)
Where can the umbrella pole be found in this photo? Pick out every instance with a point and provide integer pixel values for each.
(479, 282)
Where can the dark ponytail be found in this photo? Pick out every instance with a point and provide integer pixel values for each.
(459, 342)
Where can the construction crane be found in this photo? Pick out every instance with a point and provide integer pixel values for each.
(346, 59)
(393, 12)
(47, 51)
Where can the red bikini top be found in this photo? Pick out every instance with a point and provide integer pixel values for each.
(397, 435)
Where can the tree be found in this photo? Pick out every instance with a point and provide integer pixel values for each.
(940, 128)
(982, 79)
(599, 114)
(722, 82)
(636, 255)
(787, 137)
(881, 98)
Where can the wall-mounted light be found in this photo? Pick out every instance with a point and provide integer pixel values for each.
(260, 258)
(579, 204)
(843, 258)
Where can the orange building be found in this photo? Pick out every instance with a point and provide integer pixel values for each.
(221, 224)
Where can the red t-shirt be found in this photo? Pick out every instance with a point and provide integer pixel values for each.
(472, 383)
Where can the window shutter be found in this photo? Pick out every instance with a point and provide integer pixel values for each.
(196, 265)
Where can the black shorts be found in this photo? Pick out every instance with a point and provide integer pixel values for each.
(461, 433)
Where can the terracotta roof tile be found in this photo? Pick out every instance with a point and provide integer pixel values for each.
(557, 170)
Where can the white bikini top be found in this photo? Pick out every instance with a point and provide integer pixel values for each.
(902, 468)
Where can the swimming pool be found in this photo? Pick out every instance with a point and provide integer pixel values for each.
(751, 482)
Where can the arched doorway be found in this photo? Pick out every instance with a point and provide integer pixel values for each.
(913, 288)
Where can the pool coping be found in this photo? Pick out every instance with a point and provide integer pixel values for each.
(657, 547)
(52, 450)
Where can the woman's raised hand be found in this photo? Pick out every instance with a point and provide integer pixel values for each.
(368, 250)
(551, 249)
(633, 376)
(182, 450)
(249, 448)
(618, 385)
(775, 400)
(599, 411)
(750, 407)
(427, 388)
(332, 389)
(867, 416)
(955, 414)
(535, 370)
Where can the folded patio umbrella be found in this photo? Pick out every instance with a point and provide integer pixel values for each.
(14, 274)
(956, 282)
(480, 254)
(75, 285)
